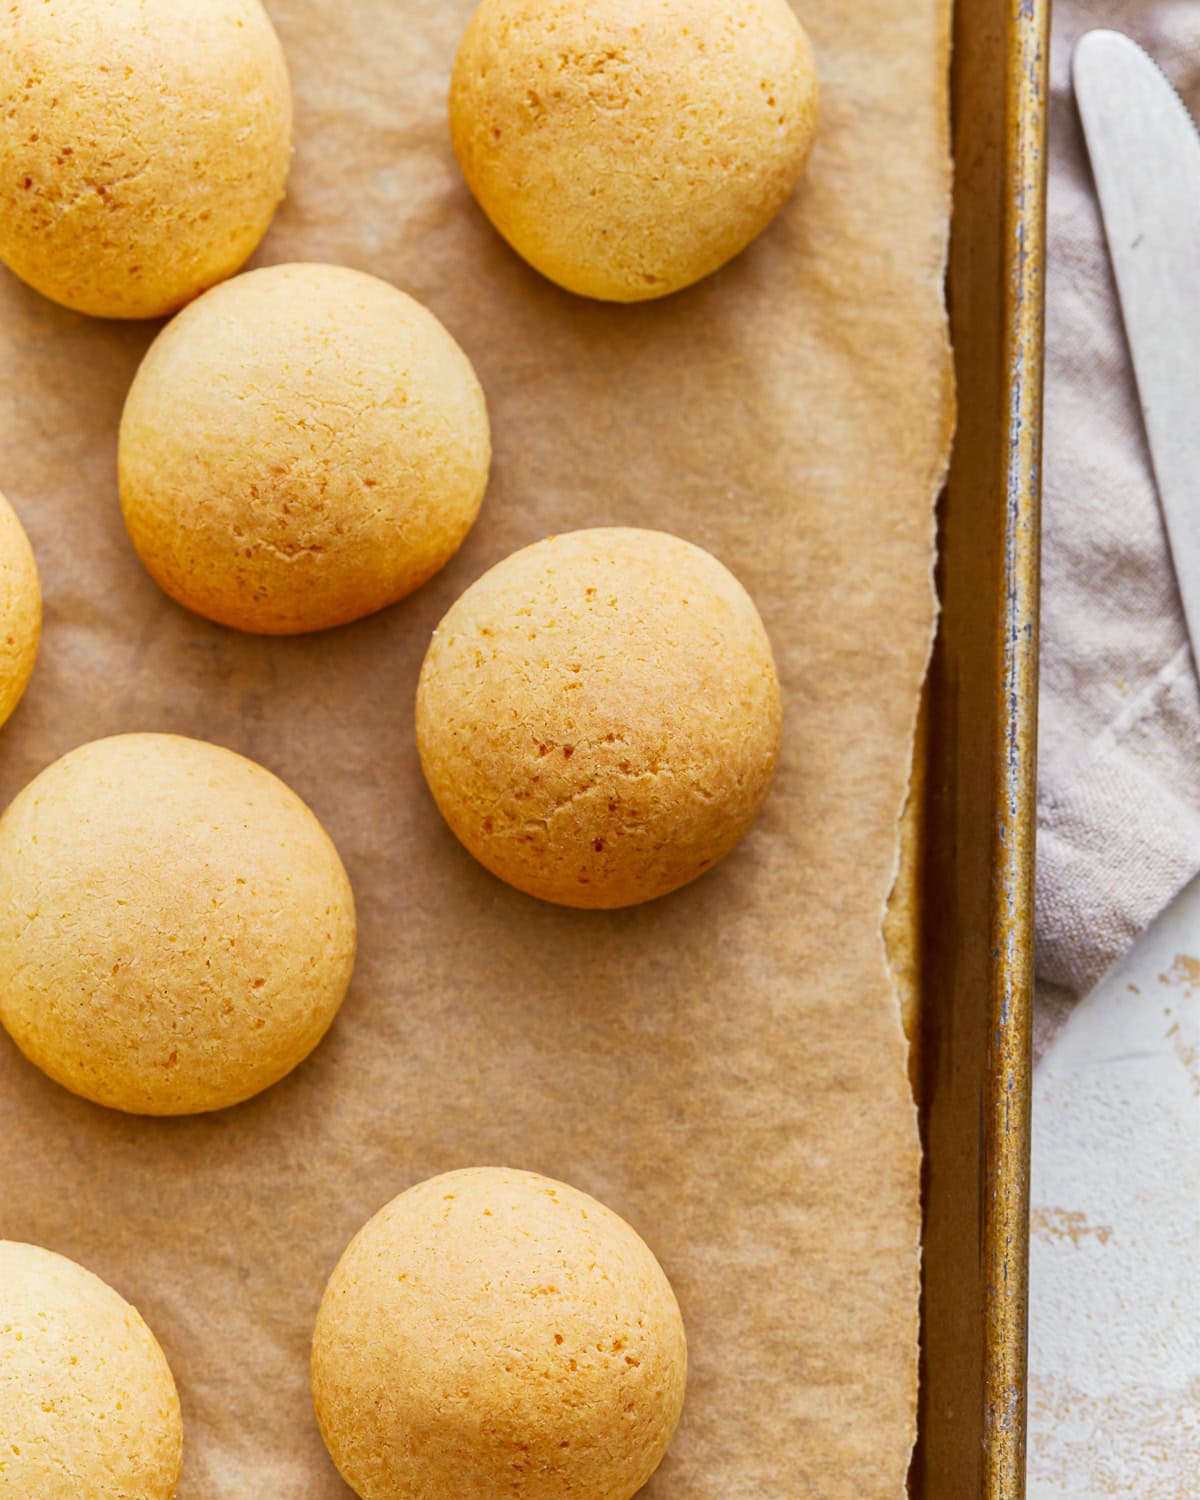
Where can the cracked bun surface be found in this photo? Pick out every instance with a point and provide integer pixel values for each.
(493, 1332)
(627, 148)
(176, 928)
(144, 147)
(598, 717)
(302, 446)
(88, 1409)
(20, 610)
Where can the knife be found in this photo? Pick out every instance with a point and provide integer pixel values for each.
(1145, 154)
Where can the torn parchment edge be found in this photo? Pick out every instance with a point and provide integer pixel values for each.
(900, 919)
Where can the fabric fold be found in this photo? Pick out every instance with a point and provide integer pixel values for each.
(1119, 767)
(1121, 835)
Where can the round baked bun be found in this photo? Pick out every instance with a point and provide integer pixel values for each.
(301, 447)
(88, 1408)
(144, 146)
(494, 1333)
(176, 929)
(598, 717)
(20, 610)
(627, 148)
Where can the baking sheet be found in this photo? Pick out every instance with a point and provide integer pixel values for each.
(978, 819)
(726, 1067)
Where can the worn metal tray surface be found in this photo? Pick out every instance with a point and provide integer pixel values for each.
(974, 792)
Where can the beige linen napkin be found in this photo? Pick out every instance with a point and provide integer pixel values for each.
(1119, 790)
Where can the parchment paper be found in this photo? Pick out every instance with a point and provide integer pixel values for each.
(726, 1068)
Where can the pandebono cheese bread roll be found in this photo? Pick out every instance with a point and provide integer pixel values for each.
(627, 148)
(88, 1408)
(494, 1332)
(144, 147)
(20, 610)
(301, 447)
(598, 717)
(176, 928)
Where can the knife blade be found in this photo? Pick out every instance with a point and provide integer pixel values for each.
(1145, 154)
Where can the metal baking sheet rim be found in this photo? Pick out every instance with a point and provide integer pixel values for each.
(974, 793)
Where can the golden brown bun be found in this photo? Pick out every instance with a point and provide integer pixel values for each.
(598, 717)
(144, 146)
(495, 1333)
(88, 1409)
(626, 148)
(176, 929)
(20, 610)
(301, 447)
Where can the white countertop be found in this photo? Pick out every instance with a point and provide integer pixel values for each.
(1115, 1254)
